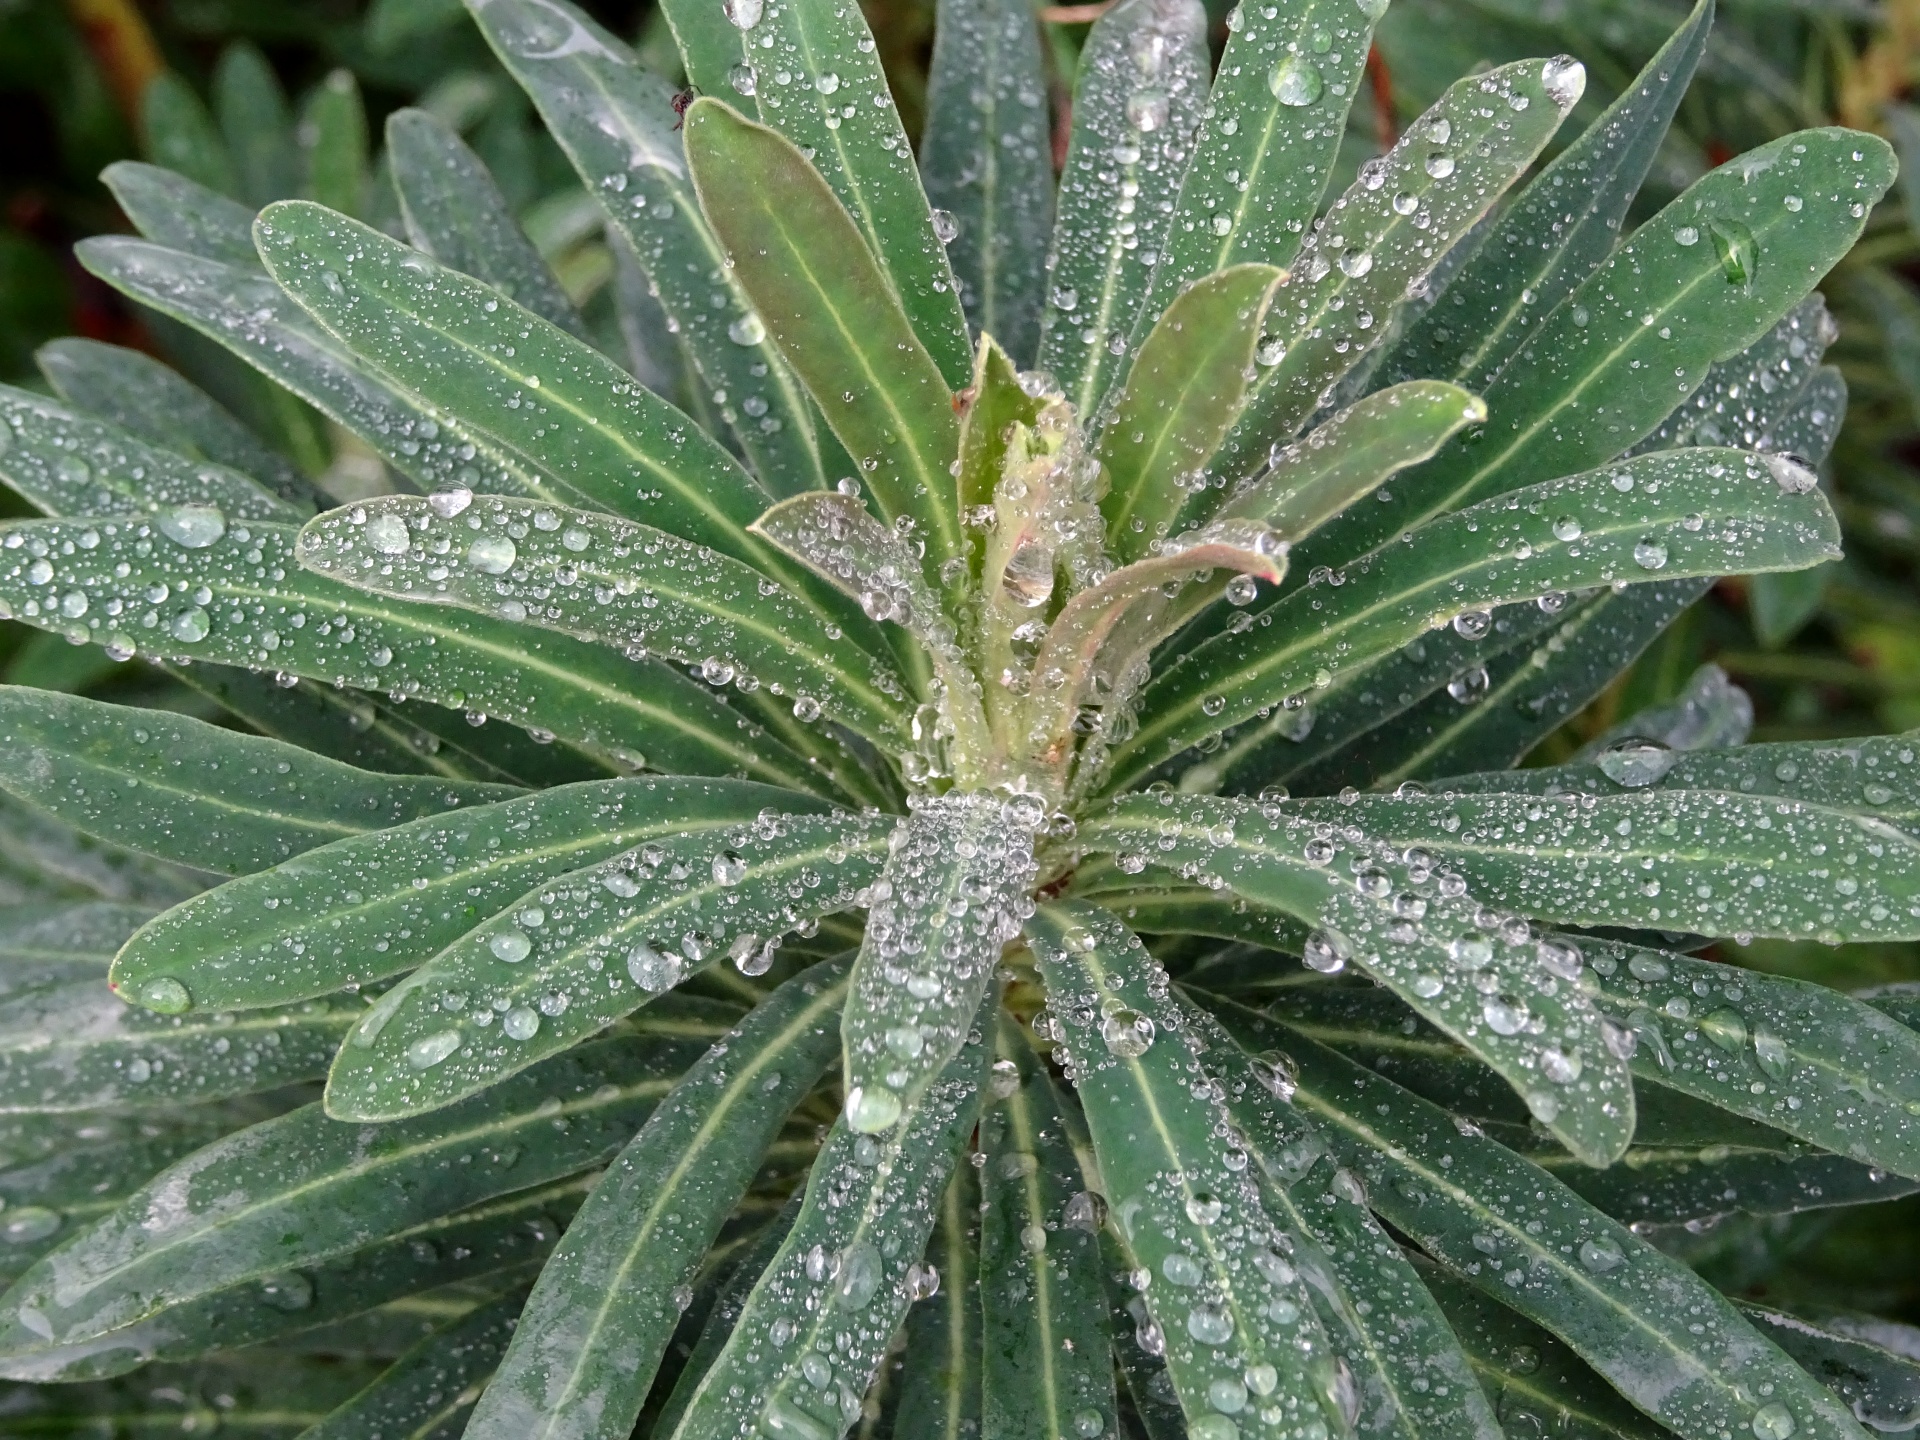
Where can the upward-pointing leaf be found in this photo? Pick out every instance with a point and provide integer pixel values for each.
(1556, 231)
(182, 214)
(835, 315)
(987, 161)
(596, 1325)
(456, 213)
(194, 793)
(1143, 79)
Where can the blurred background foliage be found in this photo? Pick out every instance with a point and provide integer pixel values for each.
(260, 99)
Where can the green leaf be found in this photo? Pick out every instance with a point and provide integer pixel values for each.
(1045, 1370)
(940, 1397)
(1387, 233)
(835, 315)
(1538, 1379)
(1744, 398)
(351, 913)
(276, 1403)
(1133, 126)
(1681, 513)
(1881, 1387)
(1779, 607)
(180, 134)
(597, 1324)
(154, 404)
(1392, 920)
(256, 123)
(987, 162)
(434, 1383)
(1663, 1337)
(841, 1283)
(1172, 909)
(182, 214)
(1231, 1313)
(42, 859)
(68, 940)
(1572, 396)
(456, 214)
(614, 119)
(1414, 1381)
(1182, 394)
(556, 959)
(1558, 229)
(194, 793)
(1709, 713)
(599, 578)
(1148, 1384)
(303, 1189)
(300, 623)
(333, 133)
(1269, 138)
(77, 1046)
(948, 899)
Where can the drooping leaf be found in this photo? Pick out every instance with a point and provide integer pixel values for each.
(940, 1395)
(427, 1389)
(947, 900)
(456, 214)
(314, 1189)
(835, 315)
(1044, 1369)
(555, 959)
(599, 578)
(155, 404)
(1182, 394)
(987, 162)
(1744, 398)
(1557, 231)
(840, 1285)
(180, 213)
(194, 793)
(1661, 1336)
(603, 1312)
(1667, 516)
(263, 610)
(351, 912)
(1138, 99)
(1378, 909)
(1388, 232)
(615, 119)
(1231, 1312)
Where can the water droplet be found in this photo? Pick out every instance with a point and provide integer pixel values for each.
(1202, 1208)
(193, 527)
(872, 1108)
(429, 1050)
(520, 1023)
(1296, 81)
(744, 13)
(1738, 252)
(749, 329)
(1771, 1052)
(1687, 236)
(166, 995)
(1227, 1395)
(1562, 1067)
(450, 502)
(946, 229)
(191, 625)
(1637, 763)
(1182, 1269)
(1726, 1029)
(288, 1290)
(1242, 590)
(1650, 553)
(510, 945)
(1470, 688)
(1504, 1014)
(1472, 624)
(1564, 79)
(388, 535)
(1127, 1033)
(492, 554)
(1601, 1254)
(1326, 951)
(1648, 967)
(1210, 1325)
(1085, 1210)
(1773, 1422)
(1088, 1424)
(1568, 529)
(1791, 473)
(729, 869)
(858, 1276)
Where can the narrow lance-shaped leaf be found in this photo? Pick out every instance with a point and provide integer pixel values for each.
(820, 1319)
(997, 402)
(180, 213)
(1662, 1336)
(67, 464)
(255, 121)
(1269, 138)
(333, 133)
(1182, 394)
(456, 213)
(243, 599)
(594, 1329)
(1557, 231)
(1231, 1312)
(69, 939)
(591, 946)
(1699, 282)
(1386, 234)
(316, 1189)
(42, 859)
(1412, 927)
(1139, 97)
(295, 1394)
(352, 912)
(1410, 1379)
(429, 1387)
(949, 898)
(940, 1395)
(1045, 1367)
(1882, 1387)
(1744, 398)
(156, 404)
(1681, 513)
(615, 120)
(1709, 713)
(836, 107)
(599, 578)
(195, 793)
(987, 162)
(835, 316)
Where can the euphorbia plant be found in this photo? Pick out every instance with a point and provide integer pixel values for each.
(908, 854)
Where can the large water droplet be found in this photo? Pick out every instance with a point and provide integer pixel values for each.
(1771, 1052)
(1650, 553)
(1127, 1033)
(872, 1108)
(1637, 763)
(1773, 1421)
(749, 329)
(1297, 81)
(651, 970)
(388, 534)
(520, 1023)
(193, 527)
(1726, 1029)
(492, 554)
(429, 1050)
(510, 945)
(287, 1290)
(1564, 79)
(1739, 253)
(1210, 1325)
(166, 995)
(744, 13)
(1601, 1254)
(28, 1224)
(190, 625)
(1326, 951)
